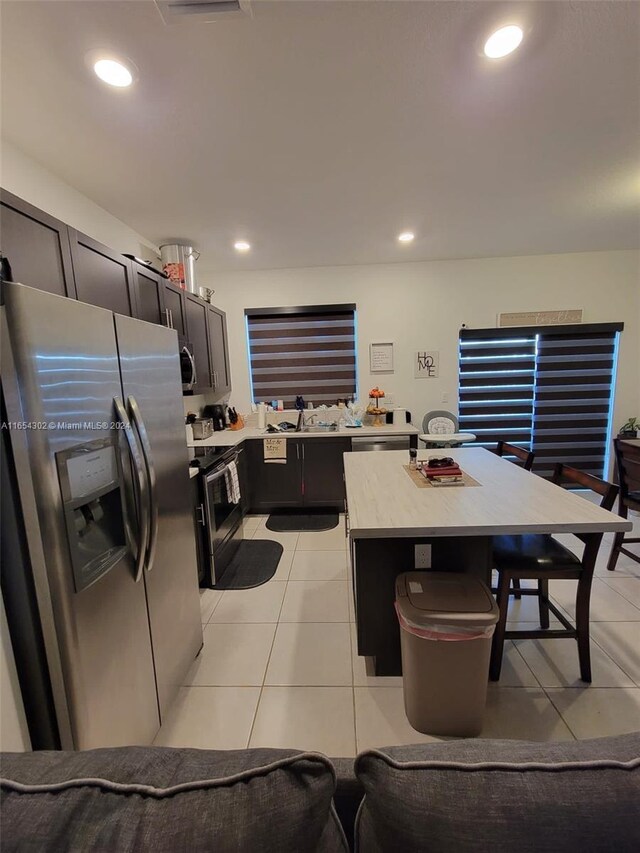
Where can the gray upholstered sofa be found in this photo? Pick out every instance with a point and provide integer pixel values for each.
(449, 797)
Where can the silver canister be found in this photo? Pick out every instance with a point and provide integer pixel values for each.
(179, 263)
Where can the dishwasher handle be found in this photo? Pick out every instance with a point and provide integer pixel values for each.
(383, 442)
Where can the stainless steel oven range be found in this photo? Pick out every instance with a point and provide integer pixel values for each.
(219, 512)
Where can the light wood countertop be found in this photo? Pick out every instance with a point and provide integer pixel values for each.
(384, 502)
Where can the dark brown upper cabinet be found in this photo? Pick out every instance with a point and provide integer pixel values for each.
(221, 375)
(103, 277)
(197, 333)
(36, 246)
(175, 308)
(149, 295)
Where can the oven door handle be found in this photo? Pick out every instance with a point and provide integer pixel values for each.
(193, 379)
(215, 475)
(140, 490)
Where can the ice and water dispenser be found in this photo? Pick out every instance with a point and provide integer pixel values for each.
(92, 493)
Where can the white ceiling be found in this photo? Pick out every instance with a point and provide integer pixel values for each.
(319, 130)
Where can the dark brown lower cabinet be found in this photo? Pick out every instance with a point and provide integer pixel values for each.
(312, 475)
(274, 485)
(323, 471)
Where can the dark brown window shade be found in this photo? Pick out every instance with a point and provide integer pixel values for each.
(309, 351)
(496, 388)
(545, 389)
(572, 408)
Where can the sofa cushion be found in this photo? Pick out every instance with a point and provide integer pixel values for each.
(474, 795)
(169, 800)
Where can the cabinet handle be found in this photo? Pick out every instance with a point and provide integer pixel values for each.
(200, 515)
(167, 319)
(171, 318)
(212, 380)
(297, 451)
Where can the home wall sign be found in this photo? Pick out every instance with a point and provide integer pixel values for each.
(426, 364)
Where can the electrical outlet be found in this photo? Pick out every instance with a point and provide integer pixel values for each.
(445, 397)
(422, 556)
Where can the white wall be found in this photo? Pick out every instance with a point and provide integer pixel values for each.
(14, 735)
(422, 305)
(22, 176)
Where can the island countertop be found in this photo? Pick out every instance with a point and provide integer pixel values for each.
(383, 501)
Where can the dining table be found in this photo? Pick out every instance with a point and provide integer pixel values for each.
(389, 510)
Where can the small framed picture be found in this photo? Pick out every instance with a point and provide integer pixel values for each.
(381, 357)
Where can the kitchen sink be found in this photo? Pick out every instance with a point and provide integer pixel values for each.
(320, 428)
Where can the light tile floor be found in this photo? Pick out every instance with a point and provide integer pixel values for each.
(280, 668)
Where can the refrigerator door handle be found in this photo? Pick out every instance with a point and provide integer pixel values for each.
(151, 475)
(140, 488)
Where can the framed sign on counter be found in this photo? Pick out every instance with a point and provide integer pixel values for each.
(381, 357)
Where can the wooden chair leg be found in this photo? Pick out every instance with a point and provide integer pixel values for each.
(515, 584)
(497, 646)
(618, 540)
(583, 597)
(543, 602)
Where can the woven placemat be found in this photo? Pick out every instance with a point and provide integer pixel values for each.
(423, 483)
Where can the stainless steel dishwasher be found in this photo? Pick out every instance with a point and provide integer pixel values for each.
(382, 442)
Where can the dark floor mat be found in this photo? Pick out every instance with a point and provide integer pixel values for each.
(254, 563)
(296, 522)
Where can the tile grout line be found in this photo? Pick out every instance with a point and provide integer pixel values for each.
(266, 669)
(610, 656)
(527, 665)
(605, 581)
(559, 713)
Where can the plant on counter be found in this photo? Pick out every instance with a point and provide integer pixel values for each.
(630, 428)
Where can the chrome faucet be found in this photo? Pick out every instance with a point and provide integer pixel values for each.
(304, 421)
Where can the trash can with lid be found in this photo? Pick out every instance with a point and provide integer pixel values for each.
(447, 620)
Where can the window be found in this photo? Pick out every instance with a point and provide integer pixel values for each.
(549, 389)
(310, 350)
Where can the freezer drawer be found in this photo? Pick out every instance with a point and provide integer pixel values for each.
(383, 442)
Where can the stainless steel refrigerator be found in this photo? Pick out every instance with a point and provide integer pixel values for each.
(99, 567)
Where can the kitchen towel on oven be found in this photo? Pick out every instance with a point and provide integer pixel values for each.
(232, 483)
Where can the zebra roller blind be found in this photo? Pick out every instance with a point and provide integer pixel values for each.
(548, 389)
(309, 350)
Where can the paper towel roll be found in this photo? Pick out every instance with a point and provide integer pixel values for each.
(262, 416)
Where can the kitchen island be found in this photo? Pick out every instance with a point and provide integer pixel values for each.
(388, 515)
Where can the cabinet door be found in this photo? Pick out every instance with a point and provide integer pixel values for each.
(274, 485)
(36, 246)
(197, 333)
(323, 471)
(219, 350)
(103, 277)
(175, 303)
(149, 295)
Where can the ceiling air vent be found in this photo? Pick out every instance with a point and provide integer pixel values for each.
(201, 11)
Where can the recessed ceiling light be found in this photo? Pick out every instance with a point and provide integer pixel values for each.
(113, 72)
(406, 236)
(503, 41)
(241, 246)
